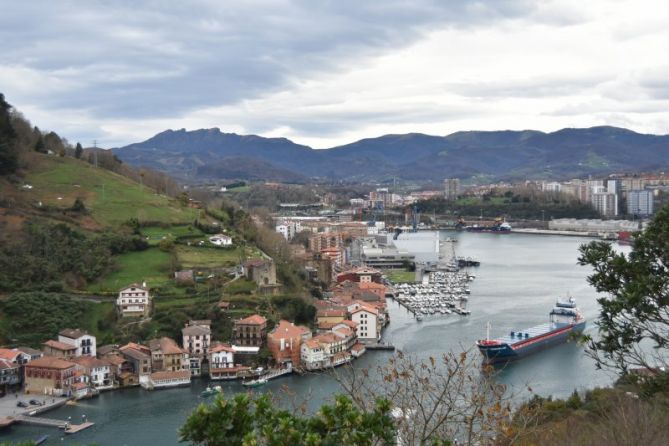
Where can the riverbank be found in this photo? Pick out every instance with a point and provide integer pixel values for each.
(532, 231)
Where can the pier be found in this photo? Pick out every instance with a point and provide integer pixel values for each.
(380, 346)
(66, 426)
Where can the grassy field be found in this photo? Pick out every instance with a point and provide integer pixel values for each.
(96, 313)
(111, 199)
(152, 266)
(399, 276)
(156, 234)
(194, 257)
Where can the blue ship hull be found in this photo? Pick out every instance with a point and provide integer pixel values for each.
(504, 350)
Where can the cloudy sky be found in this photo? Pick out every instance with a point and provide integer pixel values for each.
(326, 73)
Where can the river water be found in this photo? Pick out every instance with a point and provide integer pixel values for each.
(518, 281)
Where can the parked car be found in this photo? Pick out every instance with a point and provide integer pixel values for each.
(21, 404)
(35, 402)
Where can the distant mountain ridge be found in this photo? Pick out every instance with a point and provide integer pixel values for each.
(508, 154)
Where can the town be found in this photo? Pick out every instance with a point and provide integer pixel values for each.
(74, 366)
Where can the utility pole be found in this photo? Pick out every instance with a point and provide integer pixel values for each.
(95, 152)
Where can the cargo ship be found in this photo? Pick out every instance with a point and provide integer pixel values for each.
(564, 319)
(498, 226)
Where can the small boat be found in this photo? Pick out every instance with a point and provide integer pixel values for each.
(40, 440)
(255, 383)
(209, 391)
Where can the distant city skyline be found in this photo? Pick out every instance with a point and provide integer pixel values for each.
(330, 73)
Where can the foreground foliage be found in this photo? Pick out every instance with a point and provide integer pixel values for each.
(248, 421)
(634, 317)
(435, 399)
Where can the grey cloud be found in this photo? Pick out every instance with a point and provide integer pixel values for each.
(527, 88)
(163, 59)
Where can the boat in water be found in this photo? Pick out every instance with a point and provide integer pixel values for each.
(564, 319)
(209, 391)
(255, 383)
(499, 226)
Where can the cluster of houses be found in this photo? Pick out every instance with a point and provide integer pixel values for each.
(349, 319)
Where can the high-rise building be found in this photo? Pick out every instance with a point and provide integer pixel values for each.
(629, 184)
(605, 203)
(640, 202)
(451, 189)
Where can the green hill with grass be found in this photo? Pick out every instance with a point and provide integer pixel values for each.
(109, 198)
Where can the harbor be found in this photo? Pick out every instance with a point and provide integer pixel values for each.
(515, 284)
(444, 292)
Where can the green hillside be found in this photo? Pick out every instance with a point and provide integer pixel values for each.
(110, 198)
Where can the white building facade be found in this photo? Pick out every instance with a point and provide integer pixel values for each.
(85, 343)
(134, 301)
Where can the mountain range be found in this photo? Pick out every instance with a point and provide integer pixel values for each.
(493, 155)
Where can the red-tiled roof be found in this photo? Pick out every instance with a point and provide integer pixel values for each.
(254, 319)
(178, 374)
(357, 347)
(325, 325)
(350, 324)
(73, 333)
(7, 364)
(331, 312)
(169, 346)
(221, 348)
(90, 362)
(9, 355)
(49, 362)
(60, 345)
(344, 331)
(135, 285)
(287, 329)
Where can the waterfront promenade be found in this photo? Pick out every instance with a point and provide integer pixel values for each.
(9, 411)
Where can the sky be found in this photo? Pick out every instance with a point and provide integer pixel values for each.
(327, 73)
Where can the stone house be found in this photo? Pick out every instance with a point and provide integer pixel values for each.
(250, 331)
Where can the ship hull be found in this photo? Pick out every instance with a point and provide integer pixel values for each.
(505, 352)
(491, 230)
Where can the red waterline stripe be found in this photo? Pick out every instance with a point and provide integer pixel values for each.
(543, 336)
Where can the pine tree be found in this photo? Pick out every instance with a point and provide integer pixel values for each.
(8, 154)
(39, 145)
(78, 151)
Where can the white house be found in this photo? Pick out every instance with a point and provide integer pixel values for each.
(84, 342)
(324, 351)
(98, 370)
(134, 300)
(312, 355)
(220, 240)
(221, 356)
(222, 362)
(367, 318)
(288, 228)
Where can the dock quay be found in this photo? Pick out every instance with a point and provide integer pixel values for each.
(277, 373)
(67, 427)
(380, 346)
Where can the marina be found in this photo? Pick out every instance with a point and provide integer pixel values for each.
(443, 293)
